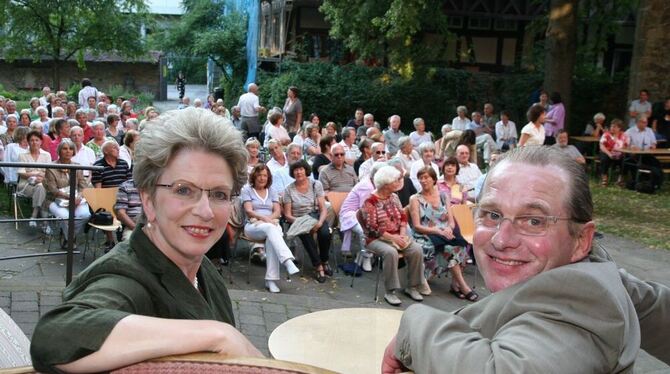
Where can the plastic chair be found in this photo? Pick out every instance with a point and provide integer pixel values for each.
(104, 198)
(466, 223)
(14, 344)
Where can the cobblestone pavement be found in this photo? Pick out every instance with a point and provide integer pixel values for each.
(31, 287)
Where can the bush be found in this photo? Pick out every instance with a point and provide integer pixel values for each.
(335, 91)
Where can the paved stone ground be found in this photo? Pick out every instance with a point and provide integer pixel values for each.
(31, 287)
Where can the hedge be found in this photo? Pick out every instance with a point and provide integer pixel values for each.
(335, 91)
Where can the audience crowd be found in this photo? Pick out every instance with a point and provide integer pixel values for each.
(399, 186)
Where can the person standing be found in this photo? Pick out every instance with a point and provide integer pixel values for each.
(638, 108)
(180, 82)
(249, 109)
(292, 111)
(87, 90)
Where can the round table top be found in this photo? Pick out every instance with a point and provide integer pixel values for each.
(343, 340)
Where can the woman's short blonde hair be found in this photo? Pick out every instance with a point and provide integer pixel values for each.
(190, 128)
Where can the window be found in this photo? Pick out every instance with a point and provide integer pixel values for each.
(505, 25)
(479, 23)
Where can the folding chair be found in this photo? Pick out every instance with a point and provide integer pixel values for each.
(336, 199)
(101, 198)
(466, 223)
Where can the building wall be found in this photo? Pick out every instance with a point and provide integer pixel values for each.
(137, 77)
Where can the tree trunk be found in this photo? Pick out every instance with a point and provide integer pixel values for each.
(650, 64)
(561, 48)
(55, 74)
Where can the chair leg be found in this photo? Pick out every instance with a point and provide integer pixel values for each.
(16, 212)
(379, 271)
(251, 251)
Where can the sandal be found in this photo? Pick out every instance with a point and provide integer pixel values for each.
(456, 293)
(327, 269)
(319, 276)
(471, 296)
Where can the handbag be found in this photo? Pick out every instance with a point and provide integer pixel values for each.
(101, 217)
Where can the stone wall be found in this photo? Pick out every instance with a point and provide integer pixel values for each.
(651, 65)
(133, 76)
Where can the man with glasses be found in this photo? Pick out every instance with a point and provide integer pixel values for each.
(558, 305)
(338, 176)
(378, 154)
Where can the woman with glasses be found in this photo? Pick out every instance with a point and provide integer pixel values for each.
(261, 205)
(156, 294)
(435, 230)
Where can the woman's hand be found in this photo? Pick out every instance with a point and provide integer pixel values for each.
(448, 233)
(401, 241)
(77, 201)
(316, 227)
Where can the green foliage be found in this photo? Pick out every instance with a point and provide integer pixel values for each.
(334, 92)
(209, 28)
(599, 21)
(390, 31)
(70, 29)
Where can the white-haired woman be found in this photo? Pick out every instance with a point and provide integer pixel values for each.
(598, 127)
(157, 289)
(385, 227)
(461, 121)
(406, 152)
(427, 152)
(98, 139)
(420, 135)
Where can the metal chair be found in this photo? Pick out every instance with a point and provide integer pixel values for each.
(104, 198)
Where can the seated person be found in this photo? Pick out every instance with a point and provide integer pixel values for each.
(128, 207)
(306, 197)
(436, 232)
(378, 154)
(324, 157)
(406, 152)
(484, 141)
(337, 176)
(611, 143)
(506, 135)
(563, 146)
(534, 229)
(427, 153)
(385, 225)
(261, 205)
(31, 179)
(468, 172)
(420, 135)
(57, 185)
(449, 182)
(445, 146)
(156, 295)
(275, 130)
(641, 137)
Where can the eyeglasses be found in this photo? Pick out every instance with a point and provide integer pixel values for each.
(191, 193)
(529, 225)
(380, 152)
(338, 154)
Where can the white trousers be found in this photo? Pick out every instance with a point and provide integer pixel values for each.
(81, 211)
(276, 250)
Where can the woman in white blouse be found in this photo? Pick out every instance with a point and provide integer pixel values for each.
(533, 132)
(261, 204)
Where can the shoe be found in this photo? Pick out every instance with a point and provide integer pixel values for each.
(290, 267)
(603, 181)
(367, 264)
(327, 269)
(272, 286)
(413, 294)
(456, 293)
(47, 230)
(32, 223)
(109, 246)
(424, 289)
(392, 299)
(620, 182)
(224, 261)
(320, 277)
(471, 296)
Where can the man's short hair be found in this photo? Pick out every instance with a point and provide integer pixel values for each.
(346, 131)
(578, 203)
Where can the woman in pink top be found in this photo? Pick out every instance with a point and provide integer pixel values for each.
(610, 144)
(554, 121)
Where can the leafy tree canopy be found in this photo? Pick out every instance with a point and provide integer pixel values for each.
(211, 28)
(389, 31)
(64, 29)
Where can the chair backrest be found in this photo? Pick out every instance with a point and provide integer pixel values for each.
(101, 198)
(14, 345)
(336, 199)
(465, 219)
